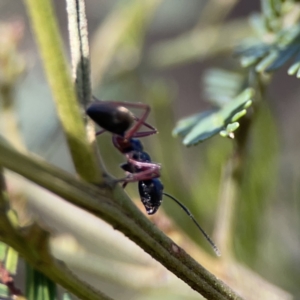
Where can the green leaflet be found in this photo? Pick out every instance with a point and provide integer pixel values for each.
(185, 125)
(268, 57)
(220, 86)
(200, 127)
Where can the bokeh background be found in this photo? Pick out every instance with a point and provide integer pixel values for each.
(141, 52)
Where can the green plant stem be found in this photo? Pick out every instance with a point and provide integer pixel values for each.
(117, 209)
(50, 45)
(230, 187)
(34, 248)
(80, 55)
(225, 215)
(13, 134)
(78, 35)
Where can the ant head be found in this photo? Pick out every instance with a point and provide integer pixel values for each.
(151, 193)
(115, 119)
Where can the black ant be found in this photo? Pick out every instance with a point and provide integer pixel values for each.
(115, 118)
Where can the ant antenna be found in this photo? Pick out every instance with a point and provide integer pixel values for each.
(197, 224)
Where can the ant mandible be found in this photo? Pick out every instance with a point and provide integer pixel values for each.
(115, 118)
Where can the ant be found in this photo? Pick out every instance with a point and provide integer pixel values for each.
(115, 118)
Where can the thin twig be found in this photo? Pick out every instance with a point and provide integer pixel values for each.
(225, 215)
(34, 248)
(78, 35)
(50, 45)
(81, 71)
(122, 214)
(5, 276)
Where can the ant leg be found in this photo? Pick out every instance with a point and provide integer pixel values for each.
(144, 166)
(144, 133)
(140, 121)
(145, 175)
(145, 123)
(148, 171)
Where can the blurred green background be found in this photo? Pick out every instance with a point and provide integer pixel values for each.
(159, 52)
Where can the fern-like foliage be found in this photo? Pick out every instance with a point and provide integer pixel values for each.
(221, 86)
(266, 57)
(223, 120)
(276, 40)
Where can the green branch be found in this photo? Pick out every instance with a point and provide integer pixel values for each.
(50, 45)
(80, 56)
(33, 246)
(116, 208)
(78, 35)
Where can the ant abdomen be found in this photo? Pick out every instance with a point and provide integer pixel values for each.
(151, 192)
